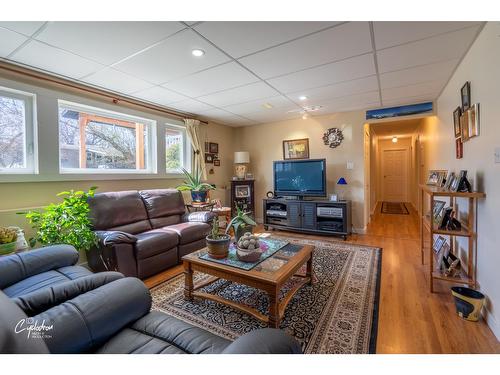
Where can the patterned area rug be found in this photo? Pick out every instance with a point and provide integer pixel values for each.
(394, 208)
(337, 314)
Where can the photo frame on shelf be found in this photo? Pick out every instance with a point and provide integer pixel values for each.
(442, 254)
(438, 244)
(242, 191)
(436, 177)
(456, 122)
(465, 95)
(296, 149)
(455, 183)
(449, 180)
(459, 148)
(437, 208)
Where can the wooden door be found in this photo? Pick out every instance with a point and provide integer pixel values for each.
(395, 175)
(294, 214)
(309, 215)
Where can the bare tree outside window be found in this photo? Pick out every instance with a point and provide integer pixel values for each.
(12, 133)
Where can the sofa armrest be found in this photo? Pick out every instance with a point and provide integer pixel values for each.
(43, 299)
(16, 267)
(89, 320)
(113, 237)
(264, 341)
(199, 216)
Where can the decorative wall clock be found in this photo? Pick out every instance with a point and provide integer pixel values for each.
(333, 137)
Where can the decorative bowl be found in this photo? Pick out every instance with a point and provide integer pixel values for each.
(250, 256)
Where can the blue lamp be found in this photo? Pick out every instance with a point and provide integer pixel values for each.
(342, 182)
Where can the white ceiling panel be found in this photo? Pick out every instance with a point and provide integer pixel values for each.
(427, 89)
(432, 72)
(337, 90)
(106, 42)
(338, 43)
(173, 58)
(278, 102)
(55, 60)
(159, 95)
(360, 101)
(191, 106)
(215, 79)
(356, 67)
(443, 47)
(10, 41)
(117, 81)
(242, 38)
(24, 27)
(273, 116)
(238, 95)
(407, 100)
(226, 117)
(388, 34)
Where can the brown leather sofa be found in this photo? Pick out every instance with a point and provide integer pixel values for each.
(142, 233)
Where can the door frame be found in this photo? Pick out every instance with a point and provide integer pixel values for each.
(407, 154)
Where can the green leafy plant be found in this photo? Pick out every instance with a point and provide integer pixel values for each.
(193, 182)
(215, 234)
(66, 222)
(240, 220)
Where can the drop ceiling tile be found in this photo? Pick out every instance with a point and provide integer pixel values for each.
(338, 43)
(273, 116)
(253, 106)
(388, 34)
(356, 67)
(215, 79)
(117, 81)
(407, 101)
(159, 95)
(242, 38)
(24, 27)
(440, 48)
(173, 58)
(427, 89)
(106, 42)
(191, 106)
(224, 117)
(55, 60)
(10, 41)
(238, 95)
(348, 103)
(432, 72)
(337, 90)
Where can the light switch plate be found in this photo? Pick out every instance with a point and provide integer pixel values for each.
(350, 165)
(497, 155)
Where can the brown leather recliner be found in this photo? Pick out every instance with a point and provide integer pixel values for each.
(142, 233)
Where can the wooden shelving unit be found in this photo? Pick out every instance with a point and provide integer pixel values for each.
(468, 230)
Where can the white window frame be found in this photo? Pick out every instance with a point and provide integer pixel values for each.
(151, 153)
(186, 147)
(30, 132)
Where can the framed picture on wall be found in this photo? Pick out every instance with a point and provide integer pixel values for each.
(217, 162)
(214, 148)
(456, 122)
(465, 94)
(209, 158)
(296, 149)
(464, 125)
(473, 120)
(459, 148)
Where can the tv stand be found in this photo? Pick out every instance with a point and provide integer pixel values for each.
(308, 216)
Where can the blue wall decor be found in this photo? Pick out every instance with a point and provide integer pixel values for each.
(405, 110)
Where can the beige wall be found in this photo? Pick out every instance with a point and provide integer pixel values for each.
(481, 67)
(264, 142)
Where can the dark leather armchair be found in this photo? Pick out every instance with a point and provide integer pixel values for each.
(116, 318)
(142, 233)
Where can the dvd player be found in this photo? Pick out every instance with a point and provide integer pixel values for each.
(279, 213)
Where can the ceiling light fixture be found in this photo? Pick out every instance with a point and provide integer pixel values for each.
(302, 97)
(394, 139)
(198, 52)
(267, 105)
(305, 116)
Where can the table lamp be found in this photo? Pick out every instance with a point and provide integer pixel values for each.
(241, 159)
(342, 183)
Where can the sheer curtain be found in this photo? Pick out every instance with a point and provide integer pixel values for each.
(194, 134)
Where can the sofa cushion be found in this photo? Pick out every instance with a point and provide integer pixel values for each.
(122, 210)
(163, 206)
(160, 333)
(189, 232)
(154, 242)
(45, 279)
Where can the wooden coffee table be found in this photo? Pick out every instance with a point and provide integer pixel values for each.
(270, 275)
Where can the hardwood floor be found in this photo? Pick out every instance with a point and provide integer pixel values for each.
(411, 319)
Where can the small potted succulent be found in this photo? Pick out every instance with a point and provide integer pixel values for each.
(241, 223)
(193, 184)
(248, 248)
(217, 244)
(8, 240)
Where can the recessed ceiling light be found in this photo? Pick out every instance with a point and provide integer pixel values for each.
(198, 52)
(305, 116)
(302, 97)
(267, 105)
(394, 139)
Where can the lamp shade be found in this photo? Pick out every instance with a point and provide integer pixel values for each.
(241, 157)
(341, 181)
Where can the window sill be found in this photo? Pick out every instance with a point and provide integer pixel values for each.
(17, 178)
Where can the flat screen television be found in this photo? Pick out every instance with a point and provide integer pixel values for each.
(300, 177)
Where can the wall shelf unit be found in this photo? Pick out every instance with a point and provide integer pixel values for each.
(468, 231)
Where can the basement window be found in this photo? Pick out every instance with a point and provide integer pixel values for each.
(177, 149)
(17, 132)
(93, 140)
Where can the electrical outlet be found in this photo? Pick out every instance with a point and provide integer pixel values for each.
(350, 165)
(497, 155)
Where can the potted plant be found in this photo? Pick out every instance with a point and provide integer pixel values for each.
(8, 240)
(217, 244)
(66, 222)
(193, 184)
(241, 223)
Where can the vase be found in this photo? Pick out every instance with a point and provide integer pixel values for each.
(218, 248)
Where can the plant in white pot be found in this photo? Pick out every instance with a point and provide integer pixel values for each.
(193, 184)
(217, 243)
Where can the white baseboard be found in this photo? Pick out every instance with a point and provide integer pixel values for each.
(359, 230)
(489, 318)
